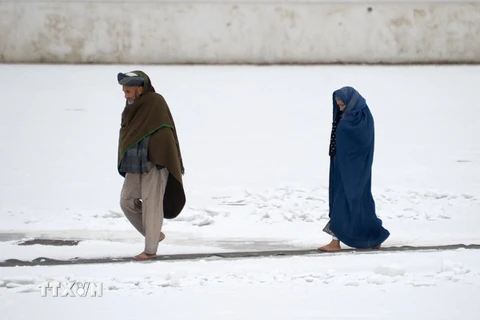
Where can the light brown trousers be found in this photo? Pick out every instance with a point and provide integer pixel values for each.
(142, 202)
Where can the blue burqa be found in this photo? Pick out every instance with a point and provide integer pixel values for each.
(353, 217)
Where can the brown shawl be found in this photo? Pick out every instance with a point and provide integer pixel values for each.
(150, 116)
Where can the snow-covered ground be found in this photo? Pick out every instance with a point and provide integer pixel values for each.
(255, 147)
(440, 286)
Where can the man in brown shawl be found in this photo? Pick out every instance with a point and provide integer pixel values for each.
(150, 160)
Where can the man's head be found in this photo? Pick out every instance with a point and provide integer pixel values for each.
(132, 85)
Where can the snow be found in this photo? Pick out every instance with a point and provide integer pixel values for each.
(335, 287)
(255, 146)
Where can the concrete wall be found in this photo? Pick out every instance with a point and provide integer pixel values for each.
(191, 31)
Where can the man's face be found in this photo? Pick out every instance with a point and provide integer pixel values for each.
(132, 93)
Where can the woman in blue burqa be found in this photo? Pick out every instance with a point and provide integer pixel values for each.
(353, 219)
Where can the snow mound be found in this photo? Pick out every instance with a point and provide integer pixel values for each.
(390, 271)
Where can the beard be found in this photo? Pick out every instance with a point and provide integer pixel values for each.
(130, 101)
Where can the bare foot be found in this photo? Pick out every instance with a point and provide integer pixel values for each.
(145, 256)
(331, 247)
(377, 247)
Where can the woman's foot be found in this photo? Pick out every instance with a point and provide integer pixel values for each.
(145, 256)
(333, 246)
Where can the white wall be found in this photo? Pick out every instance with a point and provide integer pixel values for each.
(162, 31)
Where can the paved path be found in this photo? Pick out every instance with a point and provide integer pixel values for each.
(45, 261)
